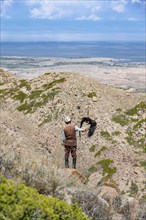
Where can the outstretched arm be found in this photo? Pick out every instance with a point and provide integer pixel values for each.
(81, 129)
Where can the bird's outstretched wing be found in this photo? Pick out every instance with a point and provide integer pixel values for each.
(92, 124)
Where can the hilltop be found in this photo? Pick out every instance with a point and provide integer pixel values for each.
(32, 119)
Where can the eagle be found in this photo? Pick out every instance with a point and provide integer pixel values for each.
(92, 124)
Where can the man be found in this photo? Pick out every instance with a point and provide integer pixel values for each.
(70, 141)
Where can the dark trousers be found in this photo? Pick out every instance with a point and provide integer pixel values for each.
(71, 149)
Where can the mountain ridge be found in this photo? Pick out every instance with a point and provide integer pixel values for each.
(32, 119)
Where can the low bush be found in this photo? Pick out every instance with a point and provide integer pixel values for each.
(47, 179)
(107, 171)
(18, 201)
(91, 94)
(92, 148)
(98, 153)
(120, 119)
(135, 110)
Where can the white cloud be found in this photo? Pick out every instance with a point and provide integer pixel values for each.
(5, 4)
(71, 9)
(92, 17)
(119, 6)
(65, 9)
(50, 10)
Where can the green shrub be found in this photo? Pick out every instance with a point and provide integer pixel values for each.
(106, 135)
(92, 148)
(116, 133)
(51, 84)
(91, 94)
(136, 109)
(106, 169)
(143, 198)
(31, 106)
(8, 92)
(131, 139)
(119, 110)
(21, 96)
(98, 153)
(133, 188)
(92, 169)
(35, 94)
(25, 83)
(36, 98)
(139, 124)
(18, 201)
(3, 93)
(143, 163)
(121, 119)
(26, 107)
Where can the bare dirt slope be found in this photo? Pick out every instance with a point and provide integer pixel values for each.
(32, 119)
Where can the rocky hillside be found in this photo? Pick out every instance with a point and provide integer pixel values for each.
(32, 119)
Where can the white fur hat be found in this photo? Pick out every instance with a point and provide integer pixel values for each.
(67, 119)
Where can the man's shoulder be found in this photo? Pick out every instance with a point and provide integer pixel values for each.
(69, 126)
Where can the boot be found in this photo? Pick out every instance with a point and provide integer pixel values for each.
(74, 163)
(66, 163)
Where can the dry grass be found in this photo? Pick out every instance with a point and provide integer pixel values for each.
(47, 179)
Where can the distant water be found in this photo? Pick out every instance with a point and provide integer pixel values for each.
(29, 60)
(128, 51)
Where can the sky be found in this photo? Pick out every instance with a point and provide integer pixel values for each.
(71, 20)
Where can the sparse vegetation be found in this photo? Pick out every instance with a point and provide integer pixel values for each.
(20, 96)
(92, 148)
(106, 135)
(107, 171)
(24, 83)
(116, 133)
(143, 198)
(120, 119)
(143, 163)
(119, 110)
(139, 124)
(37, 102)
(3, 92)
(2, 83)
(135, 110)
(53, 83)
(136, 142)
(91, 94)
(35, 94)
(47, 119)
(49, 73)
(46, 179)
(92, 169)
(98, 153)
(36, 98)
(133, 189)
